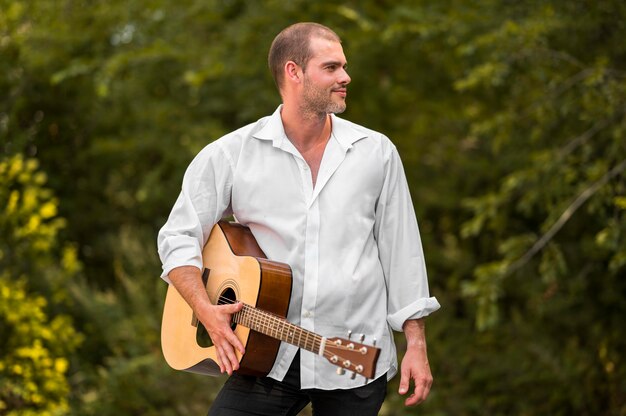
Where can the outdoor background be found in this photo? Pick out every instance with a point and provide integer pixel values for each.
(509, 116)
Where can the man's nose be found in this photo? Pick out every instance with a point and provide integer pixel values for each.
(345, 78)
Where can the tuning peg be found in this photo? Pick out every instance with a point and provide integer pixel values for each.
(361, 337)
(374, 343)
(349, 333)
(340, 371)
(353, 376)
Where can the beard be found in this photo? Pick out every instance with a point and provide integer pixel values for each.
(320, 101)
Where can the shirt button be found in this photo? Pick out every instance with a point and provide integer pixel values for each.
(307, 314)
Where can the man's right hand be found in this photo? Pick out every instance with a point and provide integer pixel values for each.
(216, 318)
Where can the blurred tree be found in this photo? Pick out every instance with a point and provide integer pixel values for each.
(539, 163)
(36, 341)
(510, 120)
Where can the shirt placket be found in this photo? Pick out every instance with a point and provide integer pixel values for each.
(311, 257)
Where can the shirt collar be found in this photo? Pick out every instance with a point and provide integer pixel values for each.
(273, 129)
(344, 131)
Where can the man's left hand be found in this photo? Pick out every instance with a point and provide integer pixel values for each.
(415, 365)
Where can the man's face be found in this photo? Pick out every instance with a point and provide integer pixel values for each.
(325, 78)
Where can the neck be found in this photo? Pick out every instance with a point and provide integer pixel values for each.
(305, 130)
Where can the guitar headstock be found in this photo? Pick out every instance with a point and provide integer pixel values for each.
(352, 356)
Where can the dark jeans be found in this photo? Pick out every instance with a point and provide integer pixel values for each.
(246, 395)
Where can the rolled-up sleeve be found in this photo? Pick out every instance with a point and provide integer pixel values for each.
(204, 199)
(400, 248)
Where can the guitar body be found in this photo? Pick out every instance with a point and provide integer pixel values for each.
(237, 270)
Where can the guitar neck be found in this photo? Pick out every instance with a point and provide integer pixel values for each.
(278, 328)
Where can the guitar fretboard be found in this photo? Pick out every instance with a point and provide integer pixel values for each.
(277, 327)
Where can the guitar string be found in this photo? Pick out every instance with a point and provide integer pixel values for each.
(269, 315)
(263, 319)
(258, 317)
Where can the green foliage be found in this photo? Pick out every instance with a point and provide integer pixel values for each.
(510, 120)
(122, 369)
(36, 343)
(34, 353)
(28, 221)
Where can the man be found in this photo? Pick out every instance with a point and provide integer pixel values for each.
(330, 199)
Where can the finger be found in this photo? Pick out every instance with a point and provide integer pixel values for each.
(234, 341)
(427, 387)
(226, 361)
(231, 337)
(218, 356)
(419, 394)
(233, 308)
(404, 382)
(223, 360)
(419, 391)
(228, 333)
(231, 357)
(412, 400)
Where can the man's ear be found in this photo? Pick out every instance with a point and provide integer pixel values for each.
(293, 72)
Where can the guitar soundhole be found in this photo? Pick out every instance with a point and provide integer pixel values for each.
(228, 297)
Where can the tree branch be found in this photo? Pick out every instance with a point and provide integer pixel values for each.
(565, 216)
(579, 140)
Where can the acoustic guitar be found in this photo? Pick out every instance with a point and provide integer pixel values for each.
(237, 270)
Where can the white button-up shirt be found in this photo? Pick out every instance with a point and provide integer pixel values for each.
(352, 240)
